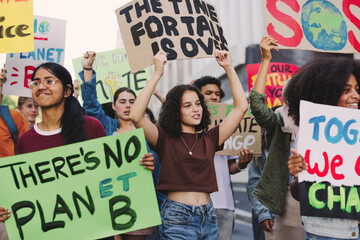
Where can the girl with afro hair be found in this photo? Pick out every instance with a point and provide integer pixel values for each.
(332, 81)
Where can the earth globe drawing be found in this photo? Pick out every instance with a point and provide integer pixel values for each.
(44, 27)
(323, 25)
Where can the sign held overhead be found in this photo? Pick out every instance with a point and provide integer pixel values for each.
(183, 29)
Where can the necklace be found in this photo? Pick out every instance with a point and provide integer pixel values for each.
(190, 150)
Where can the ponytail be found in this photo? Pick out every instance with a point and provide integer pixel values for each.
(72, 122)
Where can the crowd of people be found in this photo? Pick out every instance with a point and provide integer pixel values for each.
(193, 185)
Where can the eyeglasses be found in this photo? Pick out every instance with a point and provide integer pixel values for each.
(47, 83)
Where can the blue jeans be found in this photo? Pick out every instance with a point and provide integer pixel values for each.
(309, 236)
(154, 235)
(257, 228)
(182, 221)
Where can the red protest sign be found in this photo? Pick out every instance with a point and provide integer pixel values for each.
(277, 75)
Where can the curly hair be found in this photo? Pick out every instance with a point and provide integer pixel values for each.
(205, 80)
(170, 113)
(151, 115)
(320, 81)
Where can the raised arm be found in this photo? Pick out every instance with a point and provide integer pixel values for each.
(267, 44)
(231, 122)
(91, 105)
(76, 88)
(264, 116)
(137, 114)
(88, 60)
(158, 95)
(2, 81)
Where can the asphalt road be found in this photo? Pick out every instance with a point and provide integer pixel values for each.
(243, 226)
(242, 231)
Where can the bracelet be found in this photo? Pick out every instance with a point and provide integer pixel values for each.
(89, 69)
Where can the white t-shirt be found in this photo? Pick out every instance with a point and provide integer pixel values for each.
(224, 198)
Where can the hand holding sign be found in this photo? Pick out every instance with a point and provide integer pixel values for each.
(223, 58)
(2, 81)
(160, 60)
(267, 77)
(296, 163)
(148, 161)
(267, 44)
(76, 88)
(245, 156)
(3, 76)
(4, 214)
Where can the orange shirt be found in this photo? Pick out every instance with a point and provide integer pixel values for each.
(6, 142)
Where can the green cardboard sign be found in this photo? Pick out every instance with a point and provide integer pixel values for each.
(113, 72)
(87, 190)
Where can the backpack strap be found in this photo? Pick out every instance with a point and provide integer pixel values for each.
(6, 116)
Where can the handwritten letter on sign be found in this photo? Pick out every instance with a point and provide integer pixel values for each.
(277, 75)
(247, 135)
(329, 142)
(318, 25)
(113, 72)
(49, 34)
(86, 190)
(183, 29)
(16, 26)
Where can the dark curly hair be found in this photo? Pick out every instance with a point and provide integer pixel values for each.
(320, 81)
(151, 115)
(170, 114)
(205, 80)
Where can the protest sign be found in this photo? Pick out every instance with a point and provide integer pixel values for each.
(183, 29)
(16, 26)
(113, 72)
(318, 25)
(86, 190)
(49, 35)
(329, 142)
(246, 135)
(276, 77)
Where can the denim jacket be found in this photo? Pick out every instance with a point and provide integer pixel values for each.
(92, 106)
(255, 172)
